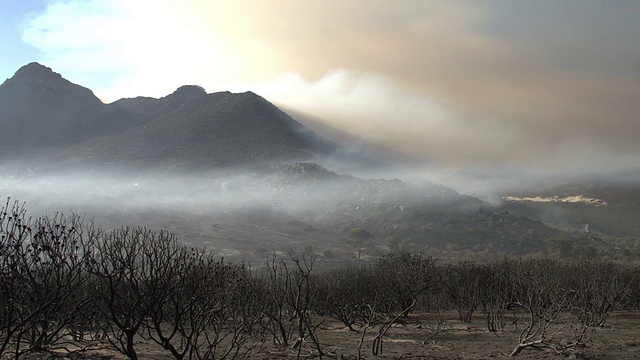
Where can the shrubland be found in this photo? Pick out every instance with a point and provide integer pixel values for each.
(68, 287)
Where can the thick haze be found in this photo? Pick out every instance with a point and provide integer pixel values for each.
(548, 84)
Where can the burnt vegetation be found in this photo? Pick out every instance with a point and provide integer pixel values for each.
(68, 288)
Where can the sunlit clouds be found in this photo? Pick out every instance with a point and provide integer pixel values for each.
(123, 48)
(455, 82)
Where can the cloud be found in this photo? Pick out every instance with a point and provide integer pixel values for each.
(123, 48)
(459, 82)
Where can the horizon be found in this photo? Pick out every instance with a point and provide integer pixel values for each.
(551, 86)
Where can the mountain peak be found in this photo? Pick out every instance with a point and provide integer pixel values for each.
(40, 108)
(188, 128)
(189, 92)
(36, 70)
(251, 94)
(35, 78)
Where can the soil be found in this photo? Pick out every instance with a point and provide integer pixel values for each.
(618, 339)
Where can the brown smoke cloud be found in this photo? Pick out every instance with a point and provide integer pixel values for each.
(542, 83)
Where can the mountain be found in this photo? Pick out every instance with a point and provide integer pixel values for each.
(604, 202)
(605, 206)
(194, 129)
(412, 216)
(40, 110)
(173, 148)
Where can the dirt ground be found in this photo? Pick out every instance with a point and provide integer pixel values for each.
(619, 339)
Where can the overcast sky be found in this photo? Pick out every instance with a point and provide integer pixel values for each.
(532, 82)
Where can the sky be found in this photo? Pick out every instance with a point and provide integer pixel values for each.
(532, 83)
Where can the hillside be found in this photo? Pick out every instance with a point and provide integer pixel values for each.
(40, 109)
(615, 213)
(411, 216)
(187, 129)
(606, 203)
(300, 206)
(195, 129)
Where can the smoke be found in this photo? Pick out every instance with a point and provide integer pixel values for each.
(376, 108)
(546, 85)
(298, 191)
